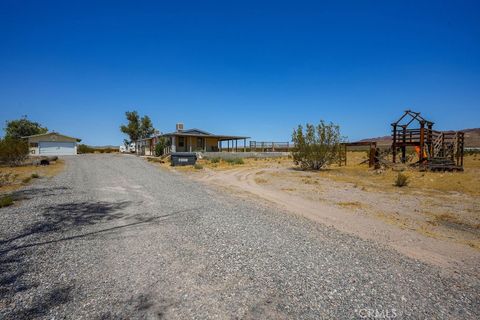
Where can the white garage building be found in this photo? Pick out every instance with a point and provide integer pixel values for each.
(52, 144)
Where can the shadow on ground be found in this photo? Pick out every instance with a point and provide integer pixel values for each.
(15, 264)
(62, 222)
(67, 216)
(33, 192)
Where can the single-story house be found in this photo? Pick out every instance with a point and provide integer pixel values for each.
(52, 144)
(191, 140)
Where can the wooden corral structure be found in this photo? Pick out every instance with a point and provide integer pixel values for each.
(436, 150)
(372, 153)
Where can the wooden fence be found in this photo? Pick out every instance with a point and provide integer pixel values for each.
(267, 146)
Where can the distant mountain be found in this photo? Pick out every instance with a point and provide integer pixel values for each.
(472, 138)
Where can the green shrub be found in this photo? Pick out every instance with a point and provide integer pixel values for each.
(160, 146)
(316, 147)
(83, 148)
(401, 180)
(35, 175)
(215, 160)
(13, 151)
(6, 201)
(198, 166)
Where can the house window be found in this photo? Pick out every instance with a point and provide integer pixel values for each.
(181, 142)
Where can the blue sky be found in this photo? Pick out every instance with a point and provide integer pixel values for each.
(254, 68)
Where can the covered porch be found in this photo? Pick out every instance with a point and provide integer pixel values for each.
(206, 143)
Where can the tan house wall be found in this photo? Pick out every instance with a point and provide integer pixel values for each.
(191, 143)
(212, 143)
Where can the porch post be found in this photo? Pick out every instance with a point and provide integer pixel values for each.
(236, 145)
(422, 140)
(204, 144)
(174, 144)
(244, 145)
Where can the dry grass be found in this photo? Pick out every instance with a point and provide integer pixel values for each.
(219, 164)
(26, 174)
(360, 175)
(261, 180)
(309, 180)
(448, 219)
(350, 204)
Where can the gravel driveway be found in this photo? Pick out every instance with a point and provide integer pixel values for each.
(114, 237)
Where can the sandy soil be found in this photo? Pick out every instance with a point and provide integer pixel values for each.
(22, 175)
(431, 223)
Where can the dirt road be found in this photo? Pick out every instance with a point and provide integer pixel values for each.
(114, 237)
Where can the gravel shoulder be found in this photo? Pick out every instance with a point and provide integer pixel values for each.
(112, 237)
(390, 218)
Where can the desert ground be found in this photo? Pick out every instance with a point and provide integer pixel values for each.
(14, 178)
(116, 237)
(435, 218)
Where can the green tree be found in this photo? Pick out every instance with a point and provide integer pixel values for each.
(132, 128)
(137, 128)
(23, 127)
(146, 127)
(318, 146)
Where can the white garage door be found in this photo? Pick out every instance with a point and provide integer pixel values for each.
(56, 148)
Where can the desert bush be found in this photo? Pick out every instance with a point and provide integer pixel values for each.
(6, 201)
(401, 180)
(13, 151)
(35, 175)
(83, 148)
(198, 166)
(7, 178)
(160, 146)
(215, 160)
(318, 146)
(234, 161)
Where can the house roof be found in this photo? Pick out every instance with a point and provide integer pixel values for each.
(201, 133)
(51, 133)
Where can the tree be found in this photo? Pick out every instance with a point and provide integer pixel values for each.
(318, 146)
(16, 129)
(137, 128)
(132, 129)
(146, 127)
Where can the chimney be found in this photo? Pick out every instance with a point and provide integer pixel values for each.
(179, 127)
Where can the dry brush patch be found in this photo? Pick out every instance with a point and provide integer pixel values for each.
(26, 174)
